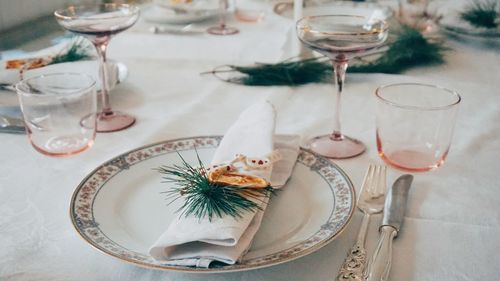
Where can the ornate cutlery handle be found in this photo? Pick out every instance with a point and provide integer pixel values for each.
(354, 265)
(380, 264)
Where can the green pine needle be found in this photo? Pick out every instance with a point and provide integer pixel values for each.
(409, 49)
(285, 73)
(481, 13)
(76, 52)
(203, 198)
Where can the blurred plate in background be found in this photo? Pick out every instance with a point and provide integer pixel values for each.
(166, 12)
(370, 10)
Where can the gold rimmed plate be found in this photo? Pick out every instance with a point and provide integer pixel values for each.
(120, 209)
(181, 12)
(458, 28)
(373, 11)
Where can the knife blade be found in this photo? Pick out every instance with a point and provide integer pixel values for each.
(7, 87)
(13, 130)
(11, 125)
(395, 205)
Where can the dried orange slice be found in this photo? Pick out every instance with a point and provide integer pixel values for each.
(18, 64)
(178, 2)
(14, 64)
(235, 179)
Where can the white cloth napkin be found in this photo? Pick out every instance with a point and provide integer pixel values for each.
(90, 67)
(193, 242)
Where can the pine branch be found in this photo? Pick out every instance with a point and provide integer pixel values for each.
(409, 49)
(203, 198)
(481, 14)
(286, 73)
(78, 50)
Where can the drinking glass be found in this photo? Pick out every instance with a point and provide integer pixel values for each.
(222, 28)
(98, 23)
(415, 125)
(60, 112)
(340, 38)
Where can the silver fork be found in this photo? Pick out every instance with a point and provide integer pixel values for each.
(370, 201)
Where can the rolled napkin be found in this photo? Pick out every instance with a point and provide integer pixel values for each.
(10, 69)
(190, 241)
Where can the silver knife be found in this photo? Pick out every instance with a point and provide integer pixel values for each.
(395, 204)
(7, 87)
(11, 125)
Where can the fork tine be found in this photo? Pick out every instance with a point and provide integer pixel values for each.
(381, 180)
(373, 183)
(368, 180)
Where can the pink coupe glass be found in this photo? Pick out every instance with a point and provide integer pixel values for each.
(340, 38)
(98, 23)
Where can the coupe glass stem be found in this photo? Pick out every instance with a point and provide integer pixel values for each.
(339, 69)
(222, 28)
(222, 16)
(101, 51)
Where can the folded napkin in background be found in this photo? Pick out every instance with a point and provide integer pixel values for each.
(90, 67)
(190, 241)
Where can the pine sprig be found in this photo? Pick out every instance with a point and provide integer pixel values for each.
(78, 50)
(203, 198)
(409, 49)
(481, 13)
(289, 72)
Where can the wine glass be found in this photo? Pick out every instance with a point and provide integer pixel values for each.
(98, 23)
(222, 28)
(340, 38)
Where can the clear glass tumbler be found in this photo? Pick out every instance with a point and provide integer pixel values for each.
(59, 112)
(414, 125)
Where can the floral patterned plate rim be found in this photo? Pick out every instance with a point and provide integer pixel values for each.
(120, 210)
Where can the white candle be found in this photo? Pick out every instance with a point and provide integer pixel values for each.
(297, 9)
(299, 48)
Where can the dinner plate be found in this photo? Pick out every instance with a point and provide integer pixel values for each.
(120, 209)
(164, 13)
(456, 27)
(119, 72)
(369, 10)
(190, 6)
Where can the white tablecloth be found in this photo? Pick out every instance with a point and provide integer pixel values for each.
(452, 225)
